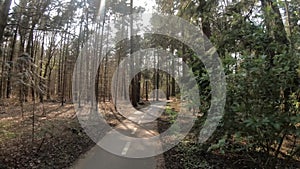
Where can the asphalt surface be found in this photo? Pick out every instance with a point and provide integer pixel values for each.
(121, 148)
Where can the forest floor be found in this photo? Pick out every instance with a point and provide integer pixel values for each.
(59, 140)
(58, 137)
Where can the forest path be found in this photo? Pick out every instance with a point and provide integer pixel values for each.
(140, 124)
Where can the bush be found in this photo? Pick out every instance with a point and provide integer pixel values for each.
(263, 105)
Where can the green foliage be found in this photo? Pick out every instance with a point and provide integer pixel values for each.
(219, 146)
(172, 114)
(263, 104)
(192, 156)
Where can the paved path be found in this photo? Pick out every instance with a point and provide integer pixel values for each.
(141, 124)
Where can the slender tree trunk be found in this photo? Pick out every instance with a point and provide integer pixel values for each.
(78, 74)
(168, 83)
(106, 94)
(173, 92)
(133, 82)
(105, 79)
(8, 86)
(157, 77)
(41, 70)
(116, 92)
(60, 68)
(4, 10)
(147, 97)
(49, 57)
(64, 67)
(30, 51)
(2, 77)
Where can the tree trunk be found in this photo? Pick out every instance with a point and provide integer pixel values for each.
(41, 70)
(8, 86)
(4, 10)
(133, 82)
(47, 65)
(2, 77)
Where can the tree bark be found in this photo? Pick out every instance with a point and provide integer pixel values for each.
(8, 86)
(4, 10)
(133, 82)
